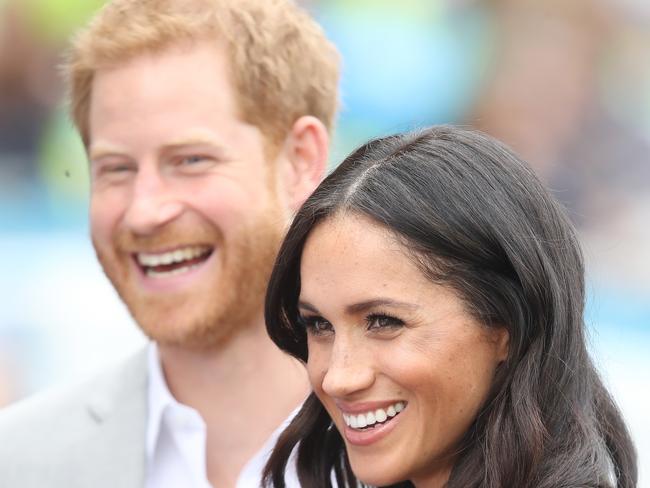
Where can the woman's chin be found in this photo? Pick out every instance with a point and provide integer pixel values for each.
(368, 475)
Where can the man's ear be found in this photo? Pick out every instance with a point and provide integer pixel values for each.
(306, 150)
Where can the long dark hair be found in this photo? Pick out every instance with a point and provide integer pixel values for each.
(474, 217)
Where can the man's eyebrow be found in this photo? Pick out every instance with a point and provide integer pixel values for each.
(103, 149)
(193, 140)
(365, 305)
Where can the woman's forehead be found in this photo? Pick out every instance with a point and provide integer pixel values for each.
(356, 255)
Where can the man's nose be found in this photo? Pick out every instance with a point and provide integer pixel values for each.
(350, 370)
(153, 203)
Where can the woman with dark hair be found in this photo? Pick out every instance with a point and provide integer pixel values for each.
(435, 291)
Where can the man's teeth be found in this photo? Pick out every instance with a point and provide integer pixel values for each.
(359, 421)
(157, 274)
(166, 258)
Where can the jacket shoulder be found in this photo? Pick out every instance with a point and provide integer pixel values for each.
(50, 432)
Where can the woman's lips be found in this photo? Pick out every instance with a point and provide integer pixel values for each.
(368, 427)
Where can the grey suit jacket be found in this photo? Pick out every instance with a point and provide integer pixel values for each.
(92, 436)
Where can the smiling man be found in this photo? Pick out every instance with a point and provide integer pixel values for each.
(206, 126)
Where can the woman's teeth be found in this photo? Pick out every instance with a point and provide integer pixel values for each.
(368, 419)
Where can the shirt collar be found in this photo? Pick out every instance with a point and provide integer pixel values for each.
(159, 398)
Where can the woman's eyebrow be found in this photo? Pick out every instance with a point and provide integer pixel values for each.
(365, 305)
(307, 306)
(379, 302)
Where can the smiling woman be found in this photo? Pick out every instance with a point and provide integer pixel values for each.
(435, 292)
(388, 352)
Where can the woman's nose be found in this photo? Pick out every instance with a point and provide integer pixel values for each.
(349, 371)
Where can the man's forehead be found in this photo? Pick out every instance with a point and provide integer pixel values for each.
(211, 50)
(190, 137)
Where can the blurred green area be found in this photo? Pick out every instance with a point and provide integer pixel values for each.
(566, 84)
(54, 21)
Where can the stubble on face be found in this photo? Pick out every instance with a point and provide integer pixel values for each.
(226, 303)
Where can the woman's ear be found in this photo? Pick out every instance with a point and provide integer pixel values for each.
(501, 338)
(306, 152)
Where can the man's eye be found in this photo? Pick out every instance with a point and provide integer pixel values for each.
(193, 159)
(316, 325)
(380, 321)
(194, 163)
(119, 168)
(113, 170)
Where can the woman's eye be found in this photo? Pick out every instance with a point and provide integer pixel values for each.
(316, 325)
(383, 322)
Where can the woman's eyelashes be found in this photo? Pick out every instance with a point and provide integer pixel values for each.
(315, 324)
(383, 321)
(374, 322)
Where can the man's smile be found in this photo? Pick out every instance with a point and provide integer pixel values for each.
(172, 262)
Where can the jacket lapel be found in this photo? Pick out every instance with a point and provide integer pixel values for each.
(114, 453)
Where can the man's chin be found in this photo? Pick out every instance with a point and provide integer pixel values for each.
(181, 330)
(165, 320)
(190, 342)
(173, 329)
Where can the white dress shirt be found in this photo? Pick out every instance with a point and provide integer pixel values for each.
(176, 441)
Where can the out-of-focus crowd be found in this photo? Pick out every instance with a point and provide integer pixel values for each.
(565, 83)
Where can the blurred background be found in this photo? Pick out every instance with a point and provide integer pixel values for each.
(565, 83)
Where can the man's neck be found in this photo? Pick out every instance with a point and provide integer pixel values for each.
(243, 389)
